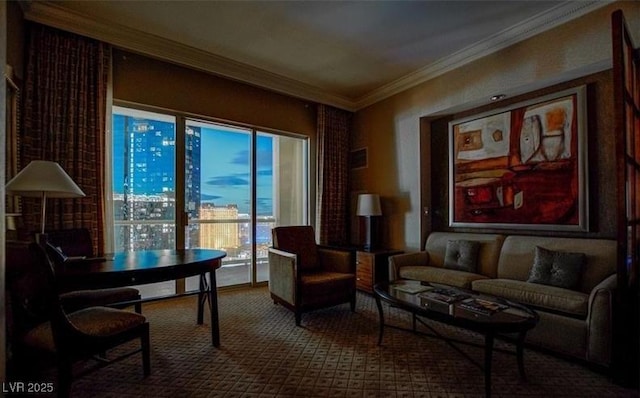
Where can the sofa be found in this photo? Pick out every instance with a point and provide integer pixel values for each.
(575, 321)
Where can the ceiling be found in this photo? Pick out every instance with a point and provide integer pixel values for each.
(345, 53)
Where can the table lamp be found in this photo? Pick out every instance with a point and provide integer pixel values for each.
(43, 179)
(369, 208)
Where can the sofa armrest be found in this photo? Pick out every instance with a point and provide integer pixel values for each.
(282, 274)
(404, 260)
(337, 260)
(600, 321)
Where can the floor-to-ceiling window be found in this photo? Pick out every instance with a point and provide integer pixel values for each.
(238, 183)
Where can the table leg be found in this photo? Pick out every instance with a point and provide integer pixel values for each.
(213, 307)
(208, 292)
(520, 354)
(202, 297)
(381, 314)
(488, 352)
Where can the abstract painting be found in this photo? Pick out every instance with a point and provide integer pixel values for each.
(521, 167)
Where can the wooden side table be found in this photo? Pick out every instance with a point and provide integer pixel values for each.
(372, 267)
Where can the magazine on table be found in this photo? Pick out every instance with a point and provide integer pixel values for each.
(411, 288)
(481, 306)
(445, 295)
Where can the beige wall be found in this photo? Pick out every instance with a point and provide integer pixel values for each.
(148, 81)
(391, 128)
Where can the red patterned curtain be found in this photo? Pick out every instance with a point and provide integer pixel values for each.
(65, 93)
(333, 175)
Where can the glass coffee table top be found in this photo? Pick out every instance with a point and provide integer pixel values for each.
(455, 305)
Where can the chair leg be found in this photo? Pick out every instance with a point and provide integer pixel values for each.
(298, 317)
(138, 307)
(146, 352)
(352, 302)
(64, 377)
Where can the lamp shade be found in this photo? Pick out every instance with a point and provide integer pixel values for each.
(369, 205)
(42, 177)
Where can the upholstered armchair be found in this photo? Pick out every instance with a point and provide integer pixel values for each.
(304, 276)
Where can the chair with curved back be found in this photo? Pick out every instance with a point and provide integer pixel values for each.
(75, 244)
(43, 329)
(304, 276)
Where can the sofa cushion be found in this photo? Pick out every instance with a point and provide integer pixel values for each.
(440, 275)
(556, 268)
(516, 257)
(488, 253)
(462, 255)
(551, 298)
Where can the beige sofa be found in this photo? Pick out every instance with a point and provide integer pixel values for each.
(573, 322)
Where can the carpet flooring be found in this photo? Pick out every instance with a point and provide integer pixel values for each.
(334, 354)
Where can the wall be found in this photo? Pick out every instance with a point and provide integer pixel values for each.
(391, 128)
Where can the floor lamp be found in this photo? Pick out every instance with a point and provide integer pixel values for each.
(369, 208)
(43, 179)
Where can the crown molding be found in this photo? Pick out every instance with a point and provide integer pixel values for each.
(52, 14)
(530, 27)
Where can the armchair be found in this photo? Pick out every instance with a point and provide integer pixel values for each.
(304, 276)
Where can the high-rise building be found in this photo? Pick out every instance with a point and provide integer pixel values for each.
(220, 235)
(144, 181)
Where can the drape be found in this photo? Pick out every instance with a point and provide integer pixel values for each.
(64, 114)
(333, 175)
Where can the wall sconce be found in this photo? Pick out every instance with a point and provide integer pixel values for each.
(369, 208)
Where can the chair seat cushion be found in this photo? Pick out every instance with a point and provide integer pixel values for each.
(93, 321)
(75, 300)
(322, 284)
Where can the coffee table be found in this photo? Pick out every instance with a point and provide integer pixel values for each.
(509, 318)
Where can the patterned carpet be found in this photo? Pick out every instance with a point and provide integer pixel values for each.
(334, 354)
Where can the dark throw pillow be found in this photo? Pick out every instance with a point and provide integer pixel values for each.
(462, 255)
(557, 268)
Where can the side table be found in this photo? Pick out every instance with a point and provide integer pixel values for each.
(372, 267)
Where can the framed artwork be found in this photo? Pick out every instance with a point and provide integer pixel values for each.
(521, 167)
(358, 159)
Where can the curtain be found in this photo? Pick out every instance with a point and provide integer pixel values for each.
(64, 114)
(333, 175)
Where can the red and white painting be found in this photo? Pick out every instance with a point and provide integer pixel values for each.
(521, 167)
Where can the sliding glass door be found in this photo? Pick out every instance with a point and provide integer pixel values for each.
(219, 196)
(243, 183)
(144, 185)
(238, 184)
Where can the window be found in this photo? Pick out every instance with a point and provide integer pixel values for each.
(144, 207)
(238, 184)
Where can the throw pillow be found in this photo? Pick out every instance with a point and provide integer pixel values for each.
(462, 255)
(557, 268)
